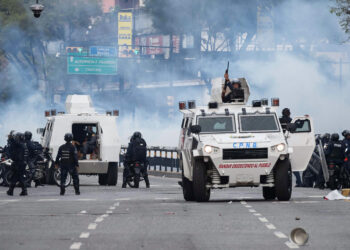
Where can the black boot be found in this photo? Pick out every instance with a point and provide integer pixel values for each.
(10, 191)
(63, 190)
(124, 185)
(147, 182)
(77, 192)
(24, 192)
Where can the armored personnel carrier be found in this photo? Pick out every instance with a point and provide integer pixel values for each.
(226, 145)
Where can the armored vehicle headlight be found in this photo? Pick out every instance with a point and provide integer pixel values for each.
(208, 149)
(281, 147)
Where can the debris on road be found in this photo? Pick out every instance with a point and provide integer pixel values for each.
(335, 195)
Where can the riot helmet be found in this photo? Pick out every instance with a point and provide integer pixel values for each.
(28, 135)
(136, 135)
(236, 81)
(68, 137)
(345, 132)
(19, 137)
(286, 112)
(335, 137)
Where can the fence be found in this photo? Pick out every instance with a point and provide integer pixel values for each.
(160, 159)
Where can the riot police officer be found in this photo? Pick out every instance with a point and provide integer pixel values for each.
(285, 119)
(333, 150)
(18, 154)
(137, 150)
(32, 154)
(346, 148)
(67, 159)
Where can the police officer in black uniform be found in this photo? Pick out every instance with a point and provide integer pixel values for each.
(18, 154)
(346, 148)
(67, 159)
(136, 152)
(285, 119)
(333, 150)
(32, 154)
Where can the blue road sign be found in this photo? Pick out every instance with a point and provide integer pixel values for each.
(103, 51)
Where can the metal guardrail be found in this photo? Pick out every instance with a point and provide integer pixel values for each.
(159, 158)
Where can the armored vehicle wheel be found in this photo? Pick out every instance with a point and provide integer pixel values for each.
(112, 174)
(269, 193)
(283, 180)
(200, 190)
(187, 188)
(102, 179)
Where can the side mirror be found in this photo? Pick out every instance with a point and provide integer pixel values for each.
(291, 127)
(40, 131)
(195, 129)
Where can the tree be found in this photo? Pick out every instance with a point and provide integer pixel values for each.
(342, 10)
(23, 38)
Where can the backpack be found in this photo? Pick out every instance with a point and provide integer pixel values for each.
(139, 150)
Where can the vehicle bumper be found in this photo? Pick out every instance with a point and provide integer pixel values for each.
(93, 167)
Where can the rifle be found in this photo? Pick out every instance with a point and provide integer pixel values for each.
(228, 66)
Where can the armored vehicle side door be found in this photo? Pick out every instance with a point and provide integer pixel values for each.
(187, 146)
(302, 140)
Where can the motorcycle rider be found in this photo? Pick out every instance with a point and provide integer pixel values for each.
(18, 154)
(136, 152)
(67, 159)
(32, 154)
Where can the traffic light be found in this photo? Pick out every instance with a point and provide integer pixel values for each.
(74, 50)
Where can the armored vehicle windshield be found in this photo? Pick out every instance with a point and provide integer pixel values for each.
(217, 124)
(258, 123)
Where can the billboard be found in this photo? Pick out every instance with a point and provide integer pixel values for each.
(125, 25)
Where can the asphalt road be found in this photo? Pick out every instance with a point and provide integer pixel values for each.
(158, 218)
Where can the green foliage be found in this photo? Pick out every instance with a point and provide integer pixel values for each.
(342, 10)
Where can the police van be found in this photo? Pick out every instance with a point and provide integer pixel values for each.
(81, 120)
(226, 145)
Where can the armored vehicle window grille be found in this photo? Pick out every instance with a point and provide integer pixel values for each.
(245, 153)
(258, 123)
(217, 124)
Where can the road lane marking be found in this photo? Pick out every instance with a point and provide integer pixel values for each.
(316, 196)
(84, 235)
(116, 204)
(257, 214)
(109, 212)
(92, 226)
(99, 219)
(248, 206)
(9, 200)
(122, 199)
(252, 210)
(48, 199)
(104, 215)
(243, 203)
(83, 212)
(86, 199)
(75, 245)
(291, 244)
(112, 208)
(270, 226)
(159, 198)
(280, 235)
(305, 202)
(263, 219)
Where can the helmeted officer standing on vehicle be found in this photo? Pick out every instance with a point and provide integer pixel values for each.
(136, 152)
(18, 154)
(67, 159)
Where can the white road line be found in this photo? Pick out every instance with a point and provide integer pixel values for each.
(2, 192)
(9, 200)
(316, 196)
(122, 199)
(263, 219)
(92, 226)
(83, 212)
(112, 208)
(291, 245)
(270, 226)
(248, 206)
(252, 211)
(86, 199)
(75, 245)
(305, 202)
(257, 214)
(243, 202)
(84, 235)
(109, 212)
(99, 219)
(159, 198)
(280, 235)
(104, 215)
(48, 200)
(116, 204)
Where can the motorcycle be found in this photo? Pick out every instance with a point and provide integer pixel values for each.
(135, 175)
(8, 173)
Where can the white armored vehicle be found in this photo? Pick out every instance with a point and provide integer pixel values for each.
(80, 120)
(239, 145)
